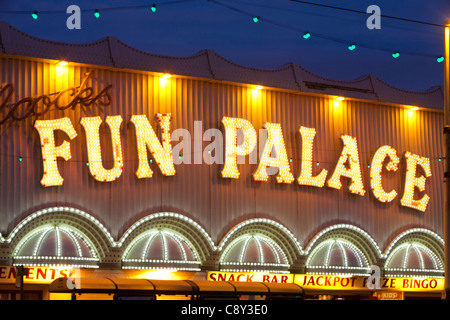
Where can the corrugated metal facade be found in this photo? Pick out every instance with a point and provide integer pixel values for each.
(197, 190)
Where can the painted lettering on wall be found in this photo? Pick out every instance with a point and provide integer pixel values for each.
(29, 107)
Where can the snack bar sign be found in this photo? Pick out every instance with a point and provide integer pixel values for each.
(334, 282)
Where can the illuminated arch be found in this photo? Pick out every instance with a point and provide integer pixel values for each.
(274, 237)
(159, 248)
(351, 233)
(415, 252)
(342, 248)
(68, 218)
(254, 251)
(337, 256)
(55, 245)
(179, 227)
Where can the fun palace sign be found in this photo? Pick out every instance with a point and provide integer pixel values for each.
(237, 140)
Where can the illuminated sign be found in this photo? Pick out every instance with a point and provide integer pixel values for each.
(375, 172)
(239, 141)
(146, 138)
(274, 142)
(232, 149)
(50, 151)
(306, 178)
(348, 155)
(389, 295)
(412, 181)
(35, 274)
(250, 277)
(91, 126)
(333, 282)
(348, 164)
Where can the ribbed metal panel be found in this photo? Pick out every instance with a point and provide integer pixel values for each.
(198, 191)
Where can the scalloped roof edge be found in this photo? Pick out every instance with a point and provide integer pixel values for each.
(112, 52)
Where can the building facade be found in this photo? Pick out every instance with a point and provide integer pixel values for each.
(117, 160)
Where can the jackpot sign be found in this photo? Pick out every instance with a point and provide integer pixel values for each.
(334, 282)
(237, 140)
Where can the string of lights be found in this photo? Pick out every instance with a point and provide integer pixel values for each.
(306, 34)
(95, 11)
(365, 13)
(338, 17)
(192, 153)
(291, 150)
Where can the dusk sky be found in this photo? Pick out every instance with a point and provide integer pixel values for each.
(183, 28)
